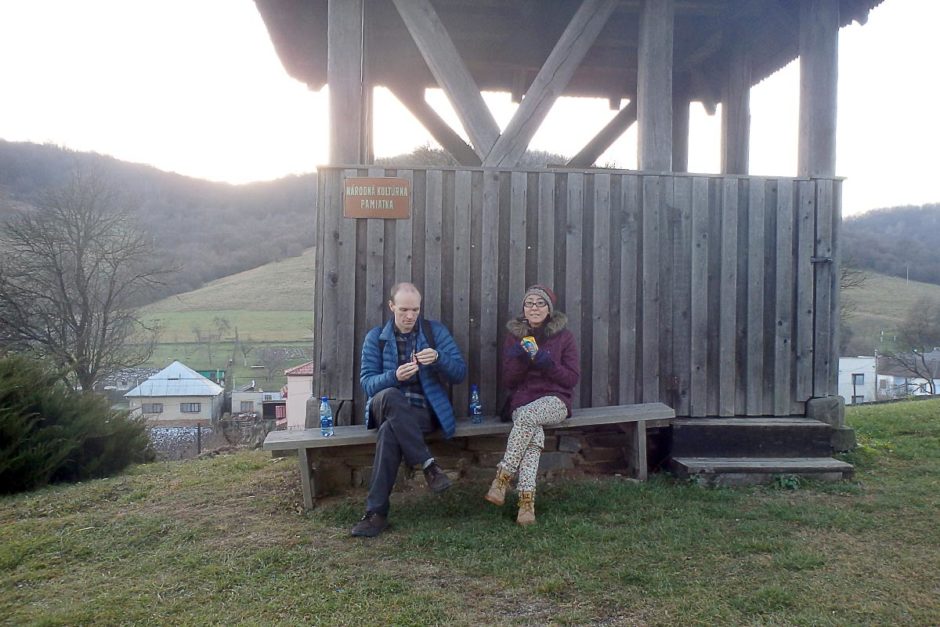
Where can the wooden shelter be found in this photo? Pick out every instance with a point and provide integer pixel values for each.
(716, 294)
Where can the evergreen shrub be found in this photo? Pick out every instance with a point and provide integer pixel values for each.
(52, 433)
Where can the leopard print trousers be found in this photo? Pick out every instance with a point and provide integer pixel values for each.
(527, 438)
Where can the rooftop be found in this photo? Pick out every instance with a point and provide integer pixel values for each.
(504, 43)
(176, 380)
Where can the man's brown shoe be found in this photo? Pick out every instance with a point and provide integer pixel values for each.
(370, 525)
(436, 478)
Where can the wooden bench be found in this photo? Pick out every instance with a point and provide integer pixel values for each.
(633, 420)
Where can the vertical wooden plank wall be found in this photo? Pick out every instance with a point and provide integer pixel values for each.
(717, 295)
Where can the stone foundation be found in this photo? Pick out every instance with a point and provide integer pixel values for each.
(600, 450)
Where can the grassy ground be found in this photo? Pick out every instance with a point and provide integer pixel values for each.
(285, 285)
(269, 307)
(253, 326)
(880, 304)
(222, 541)
(273, 303)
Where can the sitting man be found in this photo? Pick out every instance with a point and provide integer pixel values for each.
(402, 364)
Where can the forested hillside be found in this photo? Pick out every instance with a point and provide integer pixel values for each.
(207, 230)
(901, 242)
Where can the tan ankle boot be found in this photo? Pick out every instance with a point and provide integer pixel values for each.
(526, 514)
(497, 492)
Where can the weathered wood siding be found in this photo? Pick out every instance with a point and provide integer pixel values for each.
(716, 295)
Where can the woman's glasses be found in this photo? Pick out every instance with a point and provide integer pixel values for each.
(534, 304)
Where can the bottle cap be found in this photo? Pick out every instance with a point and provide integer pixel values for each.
(324, 399)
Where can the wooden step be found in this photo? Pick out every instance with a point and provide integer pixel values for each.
(751, 437)
(751, 470)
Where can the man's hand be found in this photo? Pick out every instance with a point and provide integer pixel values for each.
(406, 371)
(426, 357)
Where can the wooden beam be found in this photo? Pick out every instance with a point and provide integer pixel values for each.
(367, 126)
(819, 75)
(450, 72)
(439, 129)
(680, 124)
(367, 122)
(550, 82)
(605, 137)
(344, 76)
(654, 85)
(736, 114)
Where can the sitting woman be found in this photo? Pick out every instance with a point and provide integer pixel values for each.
(540, 376)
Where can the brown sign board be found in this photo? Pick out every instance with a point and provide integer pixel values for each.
(377, 197)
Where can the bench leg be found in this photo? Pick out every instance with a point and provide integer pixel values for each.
(637, 431)
(307, 478)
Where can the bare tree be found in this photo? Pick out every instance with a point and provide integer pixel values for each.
(222, 326)
(73, 273)
(245, 348)
(850, 278)
(273, 360)
(204, 337)
(917, 337)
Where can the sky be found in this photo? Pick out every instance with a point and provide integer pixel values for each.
(195, 87)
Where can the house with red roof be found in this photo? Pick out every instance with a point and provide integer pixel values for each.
(299, 389)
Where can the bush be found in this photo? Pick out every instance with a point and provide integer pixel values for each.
(51, 433)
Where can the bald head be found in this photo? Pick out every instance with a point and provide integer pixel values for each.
(403, 287)
(405, 305)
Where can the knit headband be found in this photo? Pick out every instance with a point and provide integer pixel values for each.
(544, 293)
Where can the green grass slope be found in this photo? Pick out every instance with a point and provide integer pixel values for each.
(274, 302)
(285, 285)
(879, 305)
(221, 541)
(270, 303)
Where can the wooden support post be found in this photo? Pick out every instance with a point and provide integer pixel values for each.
(550, 82)
(451, 73)
(680, 124)
(605, 137)
(736, 114)
(344, 76)
(819, 75)
(366, 134)
(436, 126)
(307, 479)
(636, 449)
(654, 85)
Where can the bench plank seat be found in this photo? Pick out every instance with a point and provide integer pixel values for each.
(633, 419)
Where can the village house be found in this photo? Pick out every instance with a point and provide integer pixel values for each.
(177, 393)
(857, 377)
(299, 390)
(894, 380)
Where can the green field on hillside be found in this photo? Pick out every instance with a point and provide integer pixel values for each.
(269, 307)
(285, 285)
(879, 305)
(274, 302)
(252, 325)
(240, 369)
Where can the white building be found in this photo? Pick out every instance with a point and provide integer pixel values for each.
(247, 399)
(897, 381)
(177, 393)
(857, 379)
(299, 390)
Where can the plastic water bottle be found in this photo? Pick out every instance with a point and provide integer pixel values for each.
(476, 410)
(326, 418)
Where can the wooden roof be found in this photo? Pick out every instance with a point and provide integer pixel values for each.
(504, 42)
